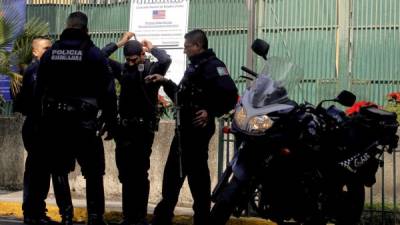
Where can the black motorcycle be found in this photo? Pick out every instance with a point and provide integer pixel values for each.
(298, 162)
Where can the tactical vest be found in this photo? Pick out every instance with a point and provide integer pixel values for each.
(191, 96)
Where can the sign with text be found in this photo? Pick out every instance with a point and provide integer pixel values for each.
(164, 23)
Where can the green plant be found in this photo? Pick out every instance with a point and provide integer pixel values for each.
(21, 53)
(165, 107)
(393, 104)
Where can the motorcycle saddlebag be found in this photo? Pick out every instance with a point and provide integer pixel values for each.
(380, 122)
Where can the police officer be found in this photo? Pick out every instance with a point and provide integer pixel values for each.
(75, 86)
(138, 121)
(205, 92)
(37, 175)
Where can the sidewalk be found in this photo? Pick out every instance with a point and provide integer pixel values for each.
(10, 205)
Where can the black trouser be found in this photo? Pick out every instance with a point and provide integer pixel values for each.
(132, 154)
(37, 179)
(66, 141)
(195, 167)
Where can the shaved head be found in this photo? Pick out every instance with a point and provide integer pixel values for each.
(39, 46)
(77, 20)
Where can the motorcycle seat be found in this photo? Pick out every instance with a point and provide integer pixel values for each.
(374, 113)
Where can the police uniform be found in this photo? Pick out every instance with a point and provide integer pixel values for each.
(37, 174)
(206, 85)
(138, 121)
(73, 85)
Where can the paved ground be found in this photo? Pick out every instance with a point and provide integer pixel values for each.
(9, 221)
(11, 213)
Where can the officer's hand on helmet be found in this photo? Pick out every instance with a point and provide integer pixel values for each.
(125, 38)
(147, 45)
(155, 78)
(201, 118)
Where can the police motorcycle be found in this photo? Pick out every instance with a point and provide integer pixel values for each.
(281, 167)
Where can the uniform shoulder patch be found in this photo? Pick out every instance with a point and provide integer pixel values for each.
(222, 71)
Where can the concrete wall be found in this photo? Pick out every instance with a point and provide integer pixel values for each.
(159, 156)
(12, 153)
(12, 157)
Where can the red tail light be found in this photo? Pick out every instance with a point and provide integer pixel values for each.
(285, 151)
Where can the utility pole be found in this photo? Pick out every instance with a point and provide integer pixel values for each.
(251, 6)
(343, 44)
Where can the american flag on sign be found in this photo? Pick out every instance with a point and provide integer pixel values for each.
(158, 14)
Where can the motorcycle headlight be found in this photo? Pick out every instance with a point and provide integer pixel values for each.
(259, 124)
(240, 118)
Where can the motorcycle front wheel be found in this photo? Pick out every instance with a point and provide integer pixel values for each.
(229, 198)
(351, 204)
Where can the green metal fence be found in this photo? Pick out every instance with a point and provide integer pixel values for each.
(225, 22)
(340, 44)
(375, 48)
(107, 21)
(304, 32)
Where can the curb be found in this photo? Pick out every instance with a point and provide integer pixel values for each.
(13, 209)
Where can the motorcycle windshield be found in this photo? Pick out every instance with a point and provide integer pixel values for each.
(278, 78)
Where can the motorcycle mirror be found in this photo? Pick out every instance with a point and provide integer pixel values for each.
(260, 47)
(346, 98)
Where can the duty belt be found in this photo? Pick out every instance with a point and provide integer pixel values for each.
(132, 121)
(60, 106)
(70, 106)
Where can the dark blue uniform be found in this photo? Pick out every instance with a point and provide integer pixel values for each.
(138, 121)
(205, 85)
(73, 84)
(37, 174)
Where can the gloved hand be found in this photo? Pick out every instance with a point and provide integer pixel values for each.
(109, 136)
(108, 131)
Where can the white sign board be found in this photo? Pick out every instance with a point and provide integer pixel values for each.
(178, 65)
(164, 23)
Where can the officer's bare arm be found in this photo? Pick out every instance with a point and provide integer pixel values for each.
(110, 48)
(124, 39)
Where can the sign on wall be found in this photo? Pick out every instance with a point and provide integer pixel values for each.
(164, 23)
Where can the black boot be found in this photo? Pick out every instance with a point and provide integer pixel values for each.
(95, 220)
(127, 222)
(66, 220)
(134, 202)
(41, 220)
(63, 198)
(67, 216)
(95, 200)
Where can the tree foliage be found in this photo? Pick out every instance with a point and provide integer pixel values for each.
(21, 53)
